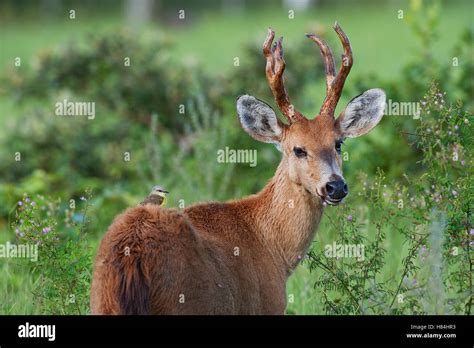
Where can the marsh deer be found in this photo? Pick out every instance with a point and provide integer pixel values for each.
(235, 257)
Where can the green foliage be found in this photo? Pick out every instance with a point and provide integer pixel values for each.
(417, 75)
(62, 270)
(101, 71)
(436, 276)
(92, 152)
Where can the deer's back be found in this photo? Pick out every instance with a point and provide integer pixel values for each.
(197, 262)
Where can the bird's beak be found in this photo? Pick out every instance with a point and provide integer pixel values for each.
(165, 191)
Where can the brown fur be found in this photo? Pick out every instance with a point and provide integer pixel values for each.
(194, 253)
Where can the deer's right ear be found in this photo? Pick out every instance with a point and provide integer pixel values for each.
(259, 120)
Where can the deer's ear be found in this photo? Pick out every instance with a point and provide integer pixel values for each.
(362, 113)
(259, 120)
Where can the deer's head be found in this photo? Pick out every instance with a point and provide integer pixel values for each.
(312, 148)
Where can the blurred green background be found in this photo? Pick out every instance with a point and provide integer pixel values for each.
(401, 46)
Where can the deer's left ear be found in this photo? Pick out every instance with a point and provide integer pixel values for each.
(362, 113)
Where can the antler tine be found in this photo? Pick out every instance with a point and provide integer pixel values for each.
(274, 71)
(326, 53)
(334, 83)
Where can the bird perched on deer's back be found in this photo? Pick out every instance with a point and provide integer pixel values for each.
(157, 196)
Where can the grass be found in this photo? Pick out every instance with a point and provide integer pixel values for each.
(15, 287)
(215, 38)
(379, 39)
(301, 297)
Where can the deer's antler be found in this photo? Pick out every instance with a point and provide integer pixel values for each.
(334, 83)
(274, 71)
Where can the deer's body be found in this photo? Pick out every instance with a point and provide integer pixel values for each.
(240, 268)
(235, 257)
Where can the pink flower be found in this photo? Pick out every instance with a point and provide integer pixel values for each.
(46, 230)
(454, 193)
(422, 250)
(349, 218)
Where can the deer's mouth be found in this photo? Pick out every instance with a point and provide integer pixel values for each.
(330, 201)
(326, 200)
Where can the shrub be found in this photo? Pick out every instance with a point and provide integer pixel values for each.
(435, 277)
(62, 271)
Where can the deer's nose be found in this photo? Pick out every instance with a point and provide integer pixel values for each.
(337, 189)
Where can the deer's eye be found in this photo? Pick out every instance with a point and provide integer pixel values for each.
(299, 152)
(338, 146)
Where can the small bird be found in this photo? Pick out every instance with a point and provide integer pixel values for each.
(156, 196)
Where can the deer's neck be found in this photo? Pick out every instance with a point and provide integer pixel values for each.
(285, 216)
